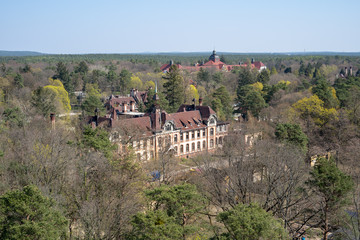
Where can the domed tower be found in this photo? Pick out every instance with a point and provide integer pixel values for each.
(214, 57)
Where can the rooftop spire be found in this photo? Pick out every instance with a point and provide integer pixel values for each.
(156, 96)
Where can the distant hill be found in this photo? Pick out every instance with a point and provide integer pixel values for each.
(19, 53)
(252, 53)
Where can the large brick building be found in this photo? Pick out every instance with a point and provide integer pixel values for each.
(191, 130)
(214, 63)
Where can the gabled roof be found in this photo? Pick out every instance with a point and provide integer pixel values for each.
(187, 120)
(140, 123)
(166, 67)
(258, 64)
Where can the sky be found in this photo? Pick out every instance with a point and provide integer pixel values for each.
(137, 26)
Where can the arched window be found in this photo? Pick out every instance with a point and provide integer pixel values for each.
(204, 144)
(187, 148)
(193, 147)
(198, 146)
(211, 131)
(181, 148)
(211, 143)
(175, 138)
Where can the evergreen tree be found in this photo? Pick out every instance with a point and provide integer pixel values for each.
(62, 73)
(125, 80)
(203, 75)
(43, 101)
(19, 81)
(331, 185)
(112, 79)
(326, 93)
(263, 77)
(92, 100)
(251, 222)
(222, 103)
(174, 88)
(27, 214)
(251, 100)
(293, 134)
(245, 77)
(82, 68)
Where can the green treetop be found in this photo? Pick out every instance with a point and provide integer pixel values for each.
(174, 88)
(331, 185)
(27, 214)
(251, 222)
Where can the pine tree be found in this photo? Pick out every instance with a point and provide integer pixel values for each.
(174, 88)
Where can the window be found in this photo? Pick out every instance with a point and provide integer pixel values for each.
(152, 155)
(212, 121)
(138, 156)
(159, 141)
(216, 142)
(145, 143)
(193, 135)
(168, 127)
(181, 137)
(152, 141)
(198, 146)
(181, 148)
(211, 131)
(198, 133)
(187, 136)
(193, 147)
(176, 150)
(175, 138)
(220, 140)
(203, 133)
(145, 156)
(211, 143)
(187, 148)
(204, 144)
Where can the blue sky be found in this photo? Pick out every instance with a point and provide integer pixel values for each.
(134, 26)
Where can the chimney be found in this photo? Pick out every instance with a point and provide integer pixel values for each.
(350, 73)
(346, 71)
(124, 106)
(132, 106)
(132, 92)
(52, 118)
(200, 101)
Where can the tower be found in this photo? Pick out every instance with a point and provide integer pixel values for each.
(214, 57)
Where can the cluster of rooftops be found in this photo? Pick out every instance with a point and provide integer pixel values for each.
(214, 63)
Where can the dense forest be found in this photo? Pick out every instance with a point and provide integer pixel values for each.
(299, 178)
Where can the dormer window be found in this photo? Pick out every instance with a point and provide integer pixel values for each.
(168, 127)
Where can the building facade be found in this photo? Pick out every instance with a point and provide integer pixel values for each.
(189, 131)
